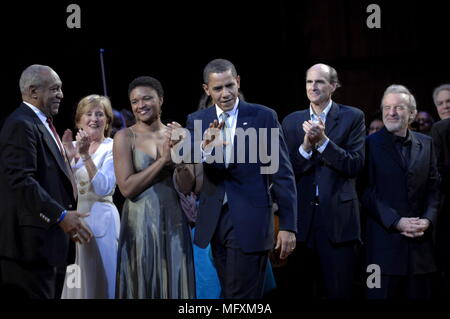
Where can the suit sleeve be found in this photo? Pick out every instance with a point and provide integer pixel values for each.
(433, 196)
(300, 165)
(104, 181)
(439, 148)
(196, 137)
(18, 155)
(283, 182)
(349, 159)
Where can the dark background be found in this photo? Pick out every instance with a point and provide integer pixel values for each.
(272, 43)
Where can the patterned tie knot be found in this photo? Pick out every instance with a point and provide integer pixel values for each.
(224, 117)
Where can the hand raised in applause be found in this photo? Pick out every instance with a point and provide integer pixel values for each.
(70, 149)
(212, 136)
(177, 133)
(166, 148)
(83, 143)
(314, 133)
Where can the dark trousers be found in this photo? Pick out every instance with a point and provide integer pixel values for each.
(241, 274)
(29, 280)
(319, 268)
(403, 287)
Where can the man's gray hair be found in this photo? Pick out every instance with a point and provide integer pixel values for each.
(401, 89)
(440, 88)
(32, 76)
(334, 77)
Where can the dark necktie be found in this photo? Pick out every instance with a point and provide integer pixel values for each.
(227, 138)
(63, 154)
(226, 131)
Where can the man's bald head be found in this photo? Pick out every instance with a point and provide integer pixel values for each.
(328, 71)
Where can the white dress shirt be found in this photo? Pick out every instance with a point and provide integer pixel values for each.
(315, 117)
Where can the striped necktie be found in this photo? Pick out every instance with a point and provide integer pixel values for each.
(226, 136)
(227, 139)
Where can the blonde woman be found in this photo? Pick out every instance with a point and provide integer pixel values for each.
(92, 163)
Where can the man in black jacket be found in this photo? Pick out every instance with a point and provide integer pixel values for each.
(440, 133)
(401, 198)
(37, 192)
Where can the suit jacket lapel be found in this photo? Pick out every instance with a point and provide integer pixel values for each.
(244, 118)
(48, 139)
(332, 119)
(209, 117)
(244, 121)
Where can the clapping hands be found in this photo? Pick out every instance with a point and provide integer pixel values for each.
(83, 142)
(314, 133)
(174, 134)
(70, 149)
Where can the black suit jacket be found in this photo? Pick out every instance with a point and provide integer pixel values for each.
(440, 133)
(334, 171)
(34, 189)
(393, 191)
(247, 189)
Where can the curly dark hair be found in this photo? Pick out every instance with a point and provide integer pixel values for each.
(146, 81)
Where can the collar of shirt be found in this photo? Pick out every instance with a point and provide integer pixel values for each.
(400, 139)
(232, 114)
(39, 113)
(323, 115)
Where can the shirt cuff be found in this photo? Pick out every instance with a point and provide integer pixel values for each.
(305, 154)
(394, 224)
(323, 146)
(61, 217)
(206, 153)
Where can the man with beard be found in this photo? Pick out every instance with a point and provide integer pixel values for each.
(401, 198)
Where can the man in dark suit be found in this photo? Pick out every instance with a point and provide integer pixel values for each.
(401, 198)
(441, 98)
(440, 132)
(36, 192)
(326, 147)
(235, 202)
